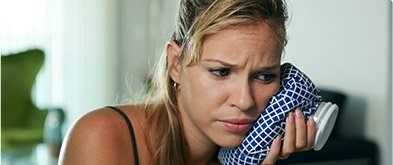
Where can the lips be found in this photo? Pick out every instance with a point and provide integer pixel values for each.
(236, 125)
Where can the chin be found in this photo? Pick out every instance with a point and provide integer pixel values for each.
(230, 141)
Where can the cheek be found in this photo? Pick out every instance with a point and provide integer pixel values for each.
(263, 94)
(202, 92)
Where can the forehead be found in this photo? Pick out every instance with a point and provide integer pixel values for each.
(242, 42)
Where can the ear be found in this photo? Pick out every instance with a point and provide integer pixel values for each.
(172, 55)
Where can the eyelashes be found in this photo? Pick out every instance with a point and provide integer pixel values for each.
(220, 72)
(264, 76)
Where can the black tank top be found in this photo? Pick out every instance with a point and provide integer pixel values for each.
(133, 143)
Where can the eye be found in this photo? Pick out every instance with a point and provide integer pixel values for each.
(265, 77)
(220, 72)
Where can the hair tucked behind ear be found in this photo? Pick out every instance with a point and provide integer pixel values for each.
(195, 20)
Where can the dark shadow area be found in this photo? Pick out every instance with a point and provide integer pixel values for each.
(352, 118)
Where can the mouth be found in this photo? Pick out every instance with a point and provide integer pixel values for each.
(236, 125)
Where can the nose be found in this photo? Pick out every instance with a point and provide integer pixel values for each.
(242, 97)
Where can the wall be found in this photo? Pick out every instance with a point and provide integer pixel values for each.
(346, 45)
(390, 136)
(145, 27)
(90, 55)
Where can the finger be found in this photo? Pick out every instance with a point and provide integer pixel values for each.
(301, 131)
(274, 152)
(311, 133)
(289, 137)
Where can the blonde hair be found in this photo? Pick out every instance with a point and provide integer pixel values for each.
(197, 19)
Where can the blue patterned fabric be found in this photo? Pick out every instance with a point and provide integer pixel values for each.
(297, 90)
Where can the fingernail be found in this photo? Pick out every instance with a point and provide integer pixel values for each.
(277, 140)
(298, 113)
(287, 118)
(311, 122)
(290, 118)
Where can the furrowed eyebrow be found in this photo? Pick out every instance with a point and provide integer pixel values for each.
(272, 67)
(221, 62)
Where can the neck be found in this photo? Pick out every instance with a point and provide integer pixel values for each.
(201, 151)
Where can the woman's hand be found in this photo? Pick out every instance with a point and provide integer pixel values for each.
(299, 136)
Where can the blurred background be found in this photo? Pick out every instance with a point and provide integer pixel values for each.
(64, 58)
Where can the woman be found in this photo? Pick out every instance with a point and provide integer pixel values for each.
(220, 68)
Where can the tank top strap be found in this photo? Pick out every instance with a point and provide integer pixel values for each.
(131, 131)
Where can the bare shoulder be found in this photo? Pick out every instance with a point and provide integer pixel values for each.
(101, 137)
